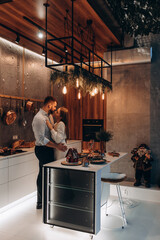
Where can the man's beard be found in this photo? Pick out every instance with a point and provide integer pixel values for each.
(50, 112)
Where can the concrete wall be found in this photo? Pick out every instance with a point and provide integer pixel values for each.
(155, 110)
(23, 74)
(133, 111)
(128, 112)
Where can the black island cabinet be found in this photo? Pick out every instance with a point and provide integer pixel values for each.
(69, 199)
(72, 194)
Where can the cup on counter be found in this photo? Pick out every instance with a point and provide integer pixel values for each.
(85, 162)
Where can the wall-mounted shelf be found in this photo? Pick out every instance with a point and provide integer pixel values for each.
(20, 98)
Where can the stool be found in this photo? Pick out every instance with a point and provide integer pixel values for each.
(116, 178)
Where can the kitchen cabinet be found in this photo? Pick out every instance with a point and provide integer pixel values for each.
(17, 177)
(3, 182)
(18, 174)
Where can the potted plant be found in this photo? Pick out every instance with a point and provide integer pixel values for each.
(103, 136)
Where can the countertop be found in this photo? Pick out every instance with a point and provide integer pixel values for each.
(27, 151)
(31, 150)
(91, 167)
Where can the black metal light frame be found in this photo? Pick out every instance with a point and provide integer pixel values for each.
(70, 58)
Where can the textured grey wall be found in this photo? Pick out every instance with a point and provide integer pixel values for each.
(155, 111)
(128, 112)
(16, 67)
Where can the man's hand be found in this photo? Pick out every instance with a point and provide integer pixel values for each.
(61, 147)
(49, 125)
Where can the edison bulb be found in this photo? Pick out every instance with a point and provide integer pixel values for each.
(92, 93)
(79, 95)
(103, 96)
(64, 91)
(96, 90)
(77, 83)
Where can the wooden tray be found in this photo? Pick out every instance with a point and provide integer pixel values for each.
(71, 163)
(114, 154)
(101, 161)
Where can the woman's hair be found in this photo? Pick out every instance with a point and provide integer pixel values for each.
(64, 117)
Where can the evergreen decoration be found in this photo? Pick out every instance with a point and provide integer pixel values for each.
(104, 136)
(87, 80)
(137, 17)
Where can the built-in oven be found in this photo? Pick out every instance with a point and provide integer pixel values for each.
(90, 127)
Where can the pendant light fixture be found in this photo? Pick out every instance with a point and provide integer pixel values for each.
(77, 54)
(79, 94)
(77, 83)
(95, 90)
(40, 34)
(17, 39)
(43, 51)
(103, 95)
(64, 90)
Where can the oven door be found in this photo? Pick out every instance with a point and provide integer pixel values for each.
(90, 128)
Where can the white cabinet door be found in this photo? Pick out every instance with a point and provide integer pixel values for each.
(21, 187)
(23, 169)
(3, 182)
(23, 172)
(3, 195)
(18, 176)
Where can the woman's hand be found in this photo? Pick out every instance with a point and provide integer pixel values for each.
(49, 125)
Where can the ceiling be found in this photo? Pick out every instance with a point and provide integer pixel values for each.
(25, 18)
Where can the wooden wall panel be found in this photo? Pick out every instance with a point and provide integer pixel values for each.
(74, 106)
(93, 107)
(86, 108)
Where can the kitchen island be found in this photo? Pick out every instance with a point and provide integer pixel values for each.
(72, 194)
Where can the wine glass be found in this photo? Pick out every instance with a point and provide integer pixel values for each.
(91, 145)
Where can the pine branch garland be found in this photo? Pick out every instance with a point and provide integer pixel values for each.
(87, 80)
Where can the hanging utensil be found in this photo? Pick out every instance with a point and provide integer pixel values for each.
(36, 109)
(21, 113)
(1, 109)
(24, 121)
(21, 109)
(10, 116)
(29, 106)
(17, 107)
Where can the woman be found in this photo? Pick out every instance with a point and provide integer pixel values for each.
(59, 129)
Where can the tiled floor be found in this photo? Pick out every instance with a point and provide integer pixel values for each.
(24, 222)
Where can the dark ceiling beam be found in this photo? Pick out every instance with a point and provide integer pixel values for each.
(104, 12)
(5, 1)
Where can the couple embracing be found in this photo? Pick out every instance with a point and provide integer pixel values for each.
(49, 136)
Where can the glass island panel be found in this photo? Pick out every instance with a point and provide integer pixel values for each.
(69, 199)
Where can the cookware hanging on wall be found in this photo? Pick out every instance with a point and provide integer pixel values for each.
(10, 116)
(1, 109)
(17, 107)
(22, 120)
(36, 108)
(29, 106)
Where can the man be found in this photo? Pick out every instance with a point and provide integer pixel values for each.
(44, 146)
